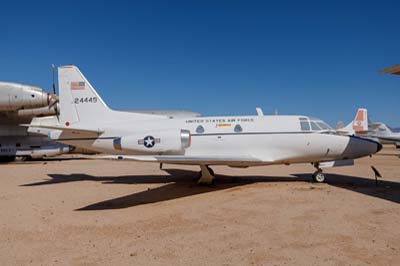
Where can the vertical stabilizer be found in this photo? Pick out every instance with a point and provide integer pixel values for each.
(79, 102)
(360, 122)
(358, 125)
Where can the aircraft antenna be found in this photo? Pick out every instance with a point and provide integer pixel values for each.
(54, 98)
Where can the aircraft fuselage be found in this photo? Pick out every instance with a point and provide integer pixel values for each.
(271, 139)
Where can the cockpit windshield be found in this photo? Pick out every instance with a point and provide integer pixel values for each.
(313, 124)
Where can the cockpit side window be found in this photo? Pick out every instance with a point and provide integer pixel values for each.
(314, 126)
(322, 125)
(304, 125)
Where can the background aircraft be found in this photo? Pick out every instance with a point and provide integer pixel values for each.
(384, 134)
(169, 113)
(19, 104)
(385, 130)
(394, 70)
(362, 126)
(358, 126)
(238, 141)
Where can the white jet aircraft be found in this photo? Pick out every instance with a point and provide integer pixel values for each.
(85, 121)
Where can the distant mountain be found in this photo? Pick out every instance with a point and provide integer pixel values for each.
(396, 129)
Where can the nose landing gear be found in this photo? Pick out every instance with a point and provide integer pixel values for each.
(318, 175)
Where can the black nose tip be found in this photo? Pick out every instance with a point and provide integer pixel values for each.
(379, 147)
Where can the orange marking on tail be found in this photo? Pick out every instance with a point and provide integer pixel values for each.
(358, 128)
(360, 115)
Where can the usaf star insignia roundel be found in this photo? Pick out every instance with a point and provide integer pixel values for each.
(148, 141)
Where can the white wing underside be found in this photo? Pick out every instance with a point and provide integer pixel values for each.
(189, 160)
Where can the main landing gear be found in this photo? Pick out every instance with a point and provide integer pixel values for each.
(318, 175)
(206, 175)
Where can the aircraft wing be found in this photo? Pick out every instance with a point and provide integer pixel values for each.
(388, 137)
(343, 131)
(51, 124)
(189, 160)
(394, 70)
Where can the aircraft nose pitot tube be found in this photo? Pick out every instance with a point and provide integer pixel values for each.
(168, 141)
(15, 96)
(360, 147)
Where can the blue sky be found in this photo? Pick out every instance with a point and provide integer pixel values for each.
(317, 58)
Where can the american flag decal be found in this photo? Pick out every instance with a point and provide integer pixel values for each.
(77, 85)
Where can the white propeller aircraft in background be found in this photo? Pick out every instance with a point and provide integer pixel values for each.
(358, 126)
(363, 127)
(384, 134)
(85, 121)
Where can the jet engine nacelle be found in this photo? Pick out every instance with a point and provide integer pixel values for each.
(167, 141)
(14, 96)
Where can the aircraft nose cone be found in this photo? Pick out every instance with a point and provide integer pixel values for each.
(359, 147)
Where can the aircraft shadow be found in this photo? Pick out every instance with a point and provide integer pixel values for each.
(175, 176)
(182, 183)
(387, 190)
(178, 187)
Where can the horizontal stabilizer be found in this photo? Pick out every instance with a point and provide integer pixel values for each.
(55, 133)
(77, 130)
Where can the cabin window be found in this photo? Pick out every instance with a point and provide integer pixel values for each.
(304, 125)
(200, 129)
(18, 145)
(238, 128)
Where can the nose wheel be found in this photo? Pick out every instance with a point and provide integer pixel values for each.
(318, 176)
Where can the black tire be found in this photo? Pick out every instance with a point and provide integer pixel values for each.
(318, 177)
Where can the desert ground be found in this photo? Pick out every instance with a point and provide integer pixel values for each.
(92, 212)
